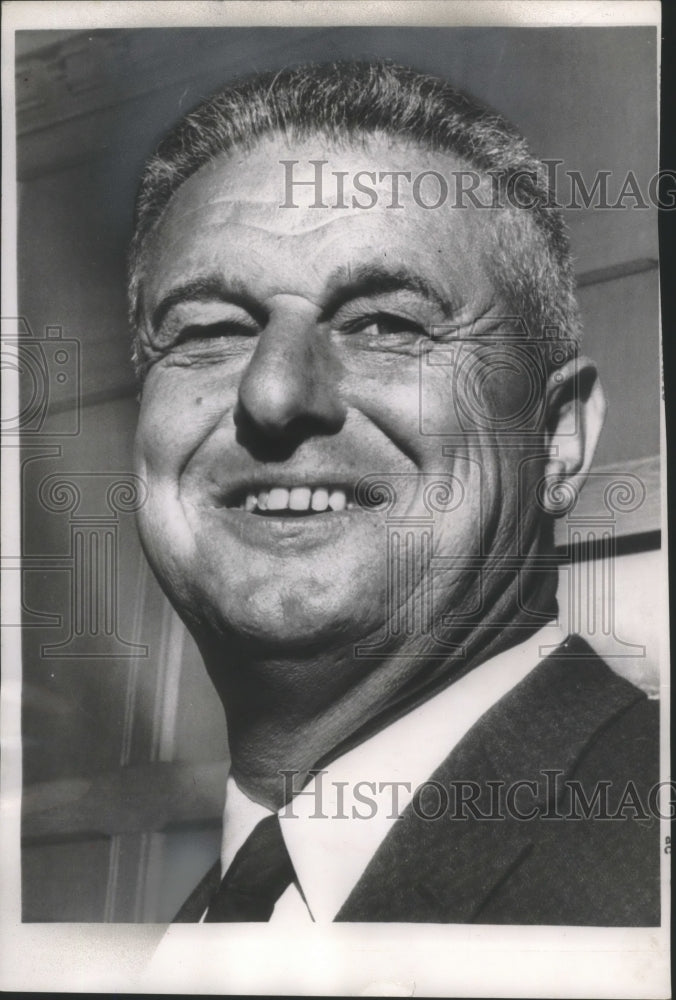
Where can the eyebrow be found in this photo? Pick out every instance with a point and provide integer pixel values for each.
(203, 289)
(348, 283)
(373, 279)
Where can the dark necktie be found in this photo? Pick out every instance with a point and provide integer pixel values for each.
(258, 875)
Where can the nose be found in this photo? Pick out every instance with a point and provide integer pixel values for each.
(290, 387)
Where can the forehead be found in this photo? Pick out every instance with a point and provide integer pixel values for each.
(316, 201)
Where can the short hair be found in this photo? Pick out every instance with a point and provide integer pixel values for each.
(530, 257)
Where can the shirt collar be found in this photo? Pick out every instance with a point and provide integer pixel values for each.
(333, 826)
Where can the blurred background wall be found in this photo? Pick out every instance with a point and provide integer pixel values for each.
(125, 751)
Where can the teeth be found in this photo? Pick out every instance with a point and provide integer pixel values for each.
(338, 500)
(297, 498)
(320, 499)
(278, 499)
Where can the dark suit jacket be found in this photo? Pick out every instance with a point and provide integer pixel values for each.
(576, 719)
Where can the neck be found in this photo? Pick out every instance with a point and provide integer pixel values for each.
(286, 713)
(298, 711)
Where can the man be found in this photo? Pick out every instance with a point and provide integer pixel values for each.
(363, 405)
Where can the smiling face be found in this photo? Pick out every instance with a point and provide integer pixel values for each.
(286, 348)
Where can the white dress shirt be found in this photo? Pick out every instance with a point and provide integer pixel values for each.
(334, 826)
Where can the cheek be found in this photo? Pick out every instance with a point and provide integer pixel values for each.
(173, 421)
(176, 415)
(462, 521)
(502, 390)
(410, 401)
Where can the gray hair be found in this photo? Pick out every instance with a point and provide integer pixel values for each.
(530, 257)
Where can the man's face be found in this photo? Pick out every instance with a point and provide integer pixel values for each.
(288, 347)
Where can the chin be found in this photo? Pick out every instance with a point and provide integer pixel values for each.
(291, 621)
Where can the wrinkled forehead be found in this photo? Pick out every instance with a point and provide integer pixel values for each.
(289, 186)
(288, 216)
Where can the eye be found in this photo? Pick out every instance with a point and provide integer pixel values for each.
(213, 331)
(384, 325)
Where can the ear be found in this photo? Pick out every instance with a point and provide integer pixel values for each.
(576, 410)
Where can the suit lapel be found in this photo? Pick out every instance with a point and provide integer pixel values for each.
(409, 877)
(446, 869)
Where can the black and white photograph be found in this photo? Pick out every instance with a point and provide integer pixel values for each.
(335, 586)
